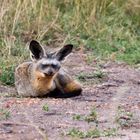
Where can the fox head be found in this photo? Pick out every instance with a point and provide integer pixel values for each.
(47, 64)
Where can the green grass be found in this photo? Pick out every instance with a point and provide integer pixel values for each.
(95, 77)
(94, 133)
(76, 133)
(4, 114)
(77, 117)
(124, 118)
(7, 75)
(110, 29)
(91, 117)
(45, 107)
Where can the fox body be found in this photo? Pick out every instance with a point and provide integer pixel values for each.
(44, 75)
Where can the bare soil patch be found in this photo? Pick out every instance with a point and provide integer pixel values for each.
(116, 98)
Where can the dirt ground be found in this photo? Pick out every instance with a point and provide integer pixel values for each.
(119, 89)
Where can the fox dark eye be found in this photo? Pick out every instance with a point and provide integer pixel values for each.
(44, 66)
(54, 66)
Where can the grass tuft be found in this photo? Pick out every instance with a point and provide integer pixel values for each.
(124, 118)
(94, 77)
(45, 107)
(4, 114)
(7, 75)
(94, 133)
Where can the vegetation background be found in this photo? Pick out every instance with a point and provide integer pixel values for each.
(110, 28)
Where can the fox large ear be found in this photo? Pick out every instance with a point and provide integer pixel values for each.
(36, 50)
(63, 52)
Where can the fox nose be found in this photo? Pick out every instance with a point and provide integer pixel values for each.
(49, 73)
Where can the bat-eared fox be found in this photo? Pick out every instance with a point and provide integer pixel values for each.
(44, 75)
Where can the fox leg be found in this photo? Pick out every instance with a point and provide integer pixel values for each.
(67, 86)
